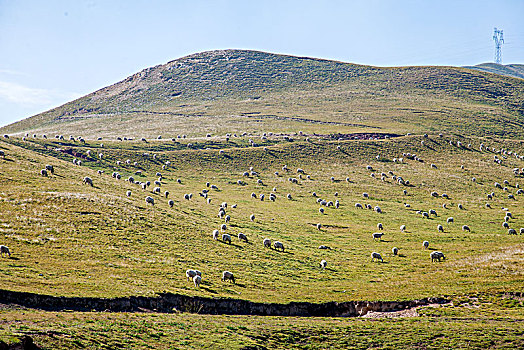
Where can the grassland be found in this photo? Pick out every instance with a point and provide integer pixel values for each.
(475, 322)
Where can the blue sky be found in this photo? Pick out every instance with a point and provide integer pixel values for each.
(54, 51)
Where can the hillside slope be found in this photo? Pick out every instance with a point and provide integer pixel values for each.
(225, 91)
(510, 70)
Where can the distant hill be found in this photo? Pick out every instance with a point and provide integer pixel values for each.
(510, 70)
(240, 90)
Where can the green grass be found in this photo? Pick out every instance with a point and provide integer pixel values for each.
(70, 239)
(478, 322)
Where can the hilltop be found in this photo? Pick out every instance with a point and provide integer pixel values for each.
(240, 90)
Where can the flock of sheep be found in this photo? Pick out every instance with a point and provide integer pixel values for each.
(196, 276)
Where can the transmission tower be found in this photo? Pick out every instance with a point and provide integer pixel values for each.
(499, 40)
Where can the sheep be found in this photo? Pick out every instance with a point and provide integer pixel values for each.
(226, 275)
(505, 225)
(365, 195)
(223, 227)
(440, 228)
(512, 231)
(380, 226)
(433, 212)
(402, 228)
(358, 206)
(425, 214)
(288, 196)
(4, 250)
(324, 247)
(405, 192)
(227, 218)
(376, 256)
(128, 193)
(466, 228)
(197, 280)
(150, 200)
(321, 210)
(50, 168)
(437, 256)
(88, 180)
(434, 194)
(186, 196)
(444, 195)
(522, 230)
(226, 238)
(156, 190)
(378, 210)
(252, 217)
(378, 235)
(450, 220)
(171, 203)
(215, 235)
(242, 237)
(323, 264)
(267, 243)
(278, 245)
(319, 226)
(394, 251)
(43, 173)
(190, 274)
(425, 244)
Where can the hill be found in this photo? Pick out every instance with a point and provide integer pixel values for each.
(238, 90)
(510, 70)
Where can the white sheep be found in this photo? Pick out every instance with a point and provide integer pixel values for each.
(88, 180)
(223, 227)
(440, 228)
(267, 243)
(197, 280)
(150, 200)
(156, 190)
(4, 251)
(215, 234)
(402, 228)
(378, 235)
(378, 210)
(190, 274)
(128, 193)
(278, 245)
(242, 237)
(226, 275)
(43, 172)
(358, 206)
(380, 226)
(252, 217)
(512, 231)
(425, 244)
(226, 238)
(394, 251)
(466, 228)
(376, 256)
(450, 220)
(323, 264)
(436, 256)
(171, 203)
(319, 226)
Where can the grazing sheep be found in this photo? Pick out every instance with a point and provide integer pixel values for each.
(324, 247)
(376, 256)
(323, 264)
(460, 206)
(267, 243)
(378, 235)
(358, 206)
(405, 192)
(166, 193)
(365, 195)
(425, 244)
(436, 256)
(466, 228)
(4, 251)
(171, 203)
(321, 210)
(128, 193)
(512, 231)
(434, 194)
(156, 190)
(227, 218)
(289, 196)
(433, 212)
(252, 217)
(150, 200)
(505, 225)
(378, 210)
(43, 172)
(50, 168)
(440, 228)
(223, 227)
(380, 226)
(226, 238)
(522, 230)
(197, 280)
(394, 251)
(215, 235)
(226, 275)
(450, 220)
(319, 226)
(242, 237)
(425, 214)
(88, 180)
(402, 228)
(190, 274)
(278, 245)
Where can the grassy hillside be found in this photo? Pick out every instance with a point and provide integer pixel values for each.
(71, 239)
(510, 70)
(250, 91)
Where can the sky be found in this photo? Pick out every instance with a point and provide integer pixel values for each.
(52, 51)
